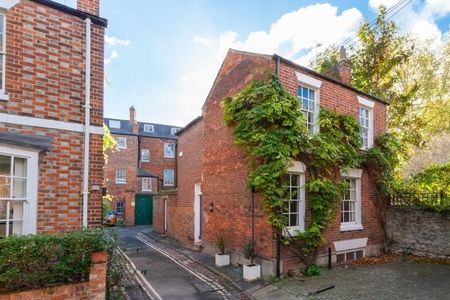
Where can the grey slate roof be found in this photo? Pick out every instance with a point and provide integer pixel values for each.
(160, 130)
(28, 141)
(144, 173)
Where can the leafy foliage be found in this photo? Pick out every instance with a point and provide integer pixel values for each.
(435, 178)
(313, 270)
(267, 122)
(249, 250)
(34, 261)
(221, 243)
(109, 143)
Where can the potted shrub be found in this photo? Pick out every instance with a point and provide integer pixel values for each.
(252, 271)
(222, 258)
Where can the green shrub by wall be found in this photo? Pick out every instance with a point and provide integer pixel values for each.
(34, 261)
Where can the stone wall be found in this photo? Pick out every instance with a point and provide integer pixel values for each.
(417, 231)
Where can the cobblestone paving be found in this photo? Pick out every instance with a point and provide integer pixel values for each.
(396, 280)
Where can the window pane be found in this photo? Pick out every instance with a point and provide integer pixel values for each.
(16, 210)
(293, 220)
(20, 188)
(340, 258)
(20, 167)
(5, 165)
(16, 227)
(350, 256)
(2, 210)
(5, 187)
(294, 206)
(359, 254)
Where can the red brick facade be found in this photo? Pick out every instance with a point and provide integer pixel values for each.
(45, 82)
(227, 201)
(130, 160)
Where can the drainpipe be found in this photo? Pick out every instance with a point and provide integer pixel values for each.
(87, 123)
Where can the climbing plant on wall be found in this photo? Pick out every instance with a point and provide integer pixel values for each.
(268, 124)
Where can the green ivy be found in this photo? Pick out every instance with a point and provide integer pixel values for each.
(268, 124)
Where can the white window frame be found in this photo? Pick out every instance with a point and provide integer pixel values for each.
(142, 155)
(298, 168)
(312, 84)
(3, 95)
(367, 105)
(166, 181)
(146, 184)
(123, 207)
(119, 178)
(173, 153)
(149, 128)
(114, 124)
(119, 145)
(174, 130)
(30, 203)
(355, 174)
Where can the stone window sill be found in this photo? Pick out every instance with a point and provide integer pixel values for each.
(4, 97)
(351, 227)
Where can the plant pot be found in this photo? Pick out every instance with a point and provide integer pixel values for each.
(252, 272)
(222, 260)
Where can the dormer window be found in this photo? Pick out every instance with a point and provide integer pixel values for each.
(114, 124)
(149, 128)
(174, 130)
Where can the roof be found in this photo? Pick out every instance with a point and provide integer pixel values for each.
(144, 173)
(38, 142)
(74, 12)
(189, 125)
(159, 130)
(325, 77)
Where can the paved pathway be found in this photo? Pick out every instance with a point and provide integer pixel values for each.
(166, 273)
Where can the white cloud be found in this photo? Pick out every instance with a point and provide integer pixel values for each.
(204, 41)
(114, 41)
(114, 54)
(419, 17)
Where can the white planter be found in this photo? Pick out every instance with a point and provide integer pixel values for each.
(252, 272)
(222, 260)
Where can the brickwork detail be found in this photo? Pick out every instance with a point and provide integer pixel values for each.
(45, 64)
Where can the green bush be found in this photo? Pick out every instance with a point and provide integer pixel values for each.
(313, 270)
(34, 261)
(249, 250)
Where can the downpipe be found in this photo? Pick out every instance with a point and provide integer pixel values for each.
(87, 123)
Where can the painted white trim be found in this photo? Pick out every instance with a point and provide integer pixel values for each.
(197, 212)
(30, 205)
(341, 246)
(293, 230)
(308, 80)
(351, 173)
(45, 123)
(371, 128)
(4, 97)
(366, 102)
(3, 58)
(7, 4)
(296, 167)
(357, 225)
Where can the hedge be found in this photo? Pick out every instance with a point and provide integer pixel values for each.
(34, 261)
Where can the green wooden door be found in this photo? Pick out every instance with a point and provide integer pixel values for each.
(143, 210)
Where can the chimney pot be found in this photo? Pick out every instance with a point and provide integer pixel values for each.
(89, 6)
(344, 69)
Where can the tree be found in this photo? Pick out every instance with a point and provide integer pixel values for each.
(109, 144)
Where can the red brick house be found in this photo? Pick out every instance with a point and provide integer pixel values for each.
(51, 115)
(144, 163)
(213, 196)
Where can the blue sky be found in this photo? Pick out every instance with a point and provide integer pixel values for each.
(162, 56)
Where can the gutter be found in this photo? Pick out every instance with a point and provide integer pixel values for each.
(87, 123)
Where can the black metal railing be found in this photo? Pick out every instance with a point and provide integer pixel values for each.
(438, 201)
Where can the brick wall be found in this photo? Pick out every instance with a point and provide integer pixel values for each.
(93, 289)
(224, 164)
(123, 159)
(157, 162)
(45, 79)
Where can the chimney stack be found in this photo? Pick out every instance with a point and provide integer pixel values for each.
(133, 121)
(89, 6)
(344, 69)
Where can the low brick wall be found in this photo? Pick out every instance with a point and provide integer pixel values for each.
(94, 289)
(417, 231)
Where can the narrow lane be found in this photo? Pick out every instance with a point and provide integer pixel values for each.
(169, 274)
